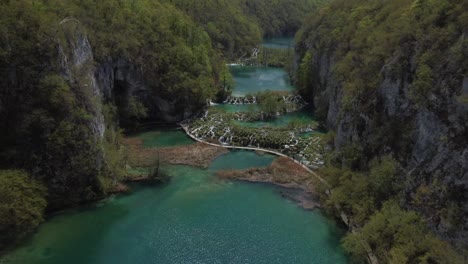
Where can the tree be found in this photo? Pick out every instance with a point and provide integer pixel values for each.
(397, 236)
(22, 205)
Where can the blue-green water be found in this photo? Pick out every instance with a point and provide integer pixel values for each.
(165, 137)
(279, 43)
(232, 108)
(196, 218)
(250, 80)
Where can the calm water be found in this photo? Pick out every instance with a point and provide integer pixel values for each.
(232, 108)
(165, 137)
(279, 43)
(249, 80)
(196, 218)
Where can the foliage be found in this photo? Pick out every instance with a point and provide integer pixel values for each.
(366, 37)
(279, 17)
(22, 206)
(231, 31)
(347, 50)
(115, 153)
(270, 103)
(368, 199)
(397, 236)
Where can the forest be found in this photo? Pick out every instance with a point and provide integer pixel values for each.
(50, 115)
(378, 73)
(386, 78)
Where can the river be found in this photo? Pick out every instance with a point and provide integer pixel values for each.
(195, 218)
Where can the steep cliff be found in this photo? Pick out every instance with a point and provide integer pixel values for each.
(390, 80)
(71, 77)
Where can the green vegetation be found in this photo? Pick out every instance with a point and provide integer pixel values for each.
(282, 58)
(369, 199)
(270, 103)
(231, 31)
(364, 35)
(22, 205)
(237, 26)
(279, 17)
(287, 139)
(397, 236)
(55, 126)
(349, 50)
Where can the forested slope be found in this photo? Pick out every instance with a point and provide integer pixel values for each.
(236, 26)
(73, 73)
(389, 78)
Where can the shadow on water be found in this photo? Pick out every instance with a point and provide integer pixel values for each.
(65, 238)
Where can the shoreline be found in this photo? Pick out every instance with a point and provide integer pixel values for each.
(293, 182)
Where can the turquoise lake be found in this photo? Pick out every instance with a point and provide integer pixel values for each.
(250, 80)
(196, 217)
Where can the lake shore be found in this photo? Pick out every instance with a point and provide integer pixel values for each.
(296, 183)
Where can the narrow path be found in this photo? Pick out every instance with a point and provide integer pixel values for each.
(257, 149)
(370, 255)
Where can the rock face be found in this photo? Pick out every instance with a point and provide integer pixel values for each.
(75, 163)
(114, 80)
(120, 80)
(77, 67)
(429, 140)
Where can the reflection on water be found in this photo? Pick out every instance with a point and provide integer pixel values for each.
(196, 218)
(250, 80)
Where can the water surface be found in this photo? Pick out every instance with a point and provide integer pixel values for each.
(164, 137)
(196, 218)
(250, 80)
(279, 43)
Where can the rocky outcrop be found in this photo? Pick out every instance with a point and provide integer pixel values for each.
(76, 157)
(119, 79)
(114, 80)
(77, 67)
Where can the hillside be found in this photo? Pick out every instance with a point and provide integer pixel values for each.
(389, 80)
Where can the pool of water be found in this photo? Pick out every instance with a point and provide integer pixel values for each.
(250, 80)
(231, 108)
(196, 218)
(164, 137)
(279, 43)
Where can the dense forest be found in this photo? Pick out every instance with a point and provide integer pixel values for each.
(386, 78)
(389, 80)
(73, 74)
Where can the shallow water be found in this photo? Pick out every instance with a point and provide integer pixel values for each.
(250, 80)
(196, 218)
(164, 137)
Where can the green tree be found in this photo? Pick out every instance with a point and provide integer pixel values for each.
(22, 205)
(397, 236)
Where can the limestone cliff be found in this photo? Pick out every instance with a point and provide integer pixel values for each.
(427, 133)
